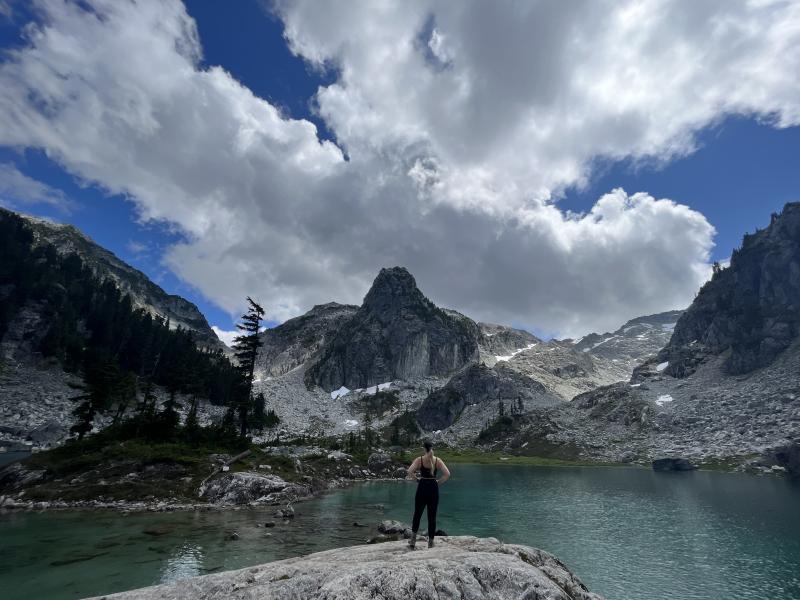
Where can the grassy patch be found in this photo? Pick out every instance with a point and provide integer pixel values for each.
(89, 453)
(102, 468)
(497, 458)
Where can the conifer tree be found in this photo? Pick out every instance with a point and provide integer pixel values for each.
(258, 418)
(245, 348)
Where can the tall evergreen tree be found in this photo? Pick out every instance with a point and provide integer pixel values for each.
(101, 387)
(245, 348)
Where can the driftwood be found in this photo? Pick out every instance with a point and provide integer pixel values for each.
(238, 457)
(216, 470)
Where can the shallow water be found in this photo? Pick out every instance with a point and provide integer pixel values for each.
(628, 533)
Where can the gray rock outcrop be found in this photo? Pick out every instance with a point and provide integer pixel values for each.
(564, 370)
(396, 334)
(751, 310)
(379, 461)
(479, 384)
(246, 488)
(298, 340)
(633, 342)
(16, 476)
(788, 457)
(499, 340)
(467, 568)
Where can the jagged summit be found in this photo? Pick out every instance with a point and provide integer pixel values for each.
(328, 306)
(396, 334)
(394, 288)
(751, 308)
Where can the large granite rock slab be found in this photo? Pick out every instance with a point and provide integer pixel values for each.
(467, 568)
(246, 488)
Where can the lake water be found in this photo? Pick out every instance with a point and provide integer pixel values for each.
(630, 534)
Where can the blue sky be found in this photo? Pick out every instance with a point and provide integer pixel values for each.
(742, 169)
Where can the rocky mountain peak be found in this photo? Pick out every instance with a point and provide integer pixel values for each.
(395, 289)
(396, 334)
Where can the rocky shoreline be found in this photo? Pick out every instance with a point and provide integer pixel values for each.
(222, 490)
(125, 506)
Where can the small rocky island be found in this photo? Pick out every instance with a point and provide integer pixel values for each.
(458, 567)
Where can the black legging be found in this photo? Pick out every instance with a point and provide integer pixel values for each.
(427, 497)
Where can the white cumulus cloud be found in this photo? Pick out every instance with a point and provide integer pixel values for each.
(462, 124)
(225, 336)
(16, 188)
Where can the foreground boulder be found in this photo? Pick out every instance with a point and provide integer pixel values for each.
(460, 567)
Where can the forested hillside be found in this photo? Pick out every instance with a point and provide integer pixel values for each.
(91, 328)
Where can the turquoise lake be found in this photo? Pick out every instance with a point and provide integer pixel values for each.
(628, 533)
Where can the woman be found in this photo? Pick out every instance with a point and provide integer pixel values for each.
(427, 491)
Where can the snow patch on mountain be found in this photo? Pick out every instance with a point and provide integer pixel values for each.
(514, 353)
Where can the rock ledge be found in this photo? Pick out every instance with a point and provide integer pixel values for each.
(459, 567)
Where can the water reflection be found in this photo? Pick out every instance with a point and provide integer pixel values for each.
(184, 562)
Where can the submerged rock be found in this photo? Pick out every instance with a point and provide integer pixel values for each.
(463, 567)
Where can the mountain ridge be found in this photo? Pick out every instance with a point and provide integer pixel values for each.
(143, 291)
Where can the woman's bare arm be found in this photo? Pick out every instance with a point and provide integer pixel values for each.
(412, 470)
(445, 472)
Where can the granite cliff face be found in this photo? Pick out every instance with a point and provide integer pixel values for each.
(750, 309)
(298, 340)
(458, 567)
(143, 292)
(397, 333)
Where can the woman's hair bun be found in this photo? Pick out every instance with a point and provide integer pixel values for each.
(428, 445)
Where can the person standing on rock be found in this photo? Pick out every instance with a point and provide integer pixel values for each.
(427, 491)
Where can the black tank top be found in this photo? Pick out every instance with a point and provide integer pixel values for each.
(425, 472)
